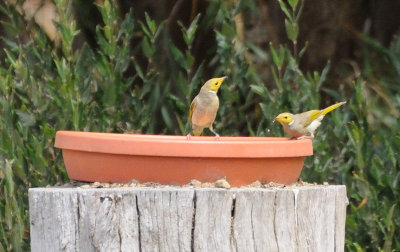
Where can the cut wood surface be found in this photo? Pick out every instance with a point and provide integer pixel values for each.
(309, 218)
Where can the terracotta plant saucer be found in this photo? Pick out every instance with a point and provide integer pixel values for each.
(111, 157)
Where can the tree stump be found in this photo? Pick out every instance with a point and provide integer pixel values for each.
(308, 218)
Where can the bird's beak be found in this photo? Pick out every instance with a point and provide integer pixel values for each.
(276, 119)
(221, 79)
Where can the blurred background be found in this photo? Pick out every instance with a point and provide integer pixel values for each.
(134, 67)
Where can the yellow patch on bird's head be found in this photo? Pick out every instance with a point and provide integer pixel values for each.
(214, 83)
(284, 118)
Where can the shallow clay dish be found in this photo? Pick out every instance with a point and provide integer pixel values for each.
(110, 157)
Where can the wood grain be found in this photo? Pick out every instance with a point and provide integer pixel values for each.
(309, 218)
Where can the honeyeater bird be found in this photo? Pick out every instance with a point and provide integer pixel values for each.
(303, 125)
(204, 107)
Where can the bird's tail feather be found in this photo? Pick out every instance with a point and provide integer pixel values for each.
(332, 107)
(197, 132)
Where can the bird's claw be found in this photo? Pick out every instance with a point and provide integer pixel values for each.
(188, 136)
(215, 133)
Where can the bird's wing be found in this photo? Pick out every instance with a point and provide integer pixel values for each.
(192, 107)
(310, 116)
(314, 114)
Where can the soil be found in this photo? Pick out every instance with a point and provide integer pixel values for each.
(221, 183)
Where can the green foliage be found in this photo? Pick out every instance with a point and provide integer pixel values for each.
(135, 79)
(292, 16)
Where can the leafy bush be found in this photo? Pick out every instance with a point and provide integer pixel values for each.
(136, 79)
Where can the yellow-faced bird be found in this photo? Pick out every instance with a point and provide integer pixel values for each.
(303, 125)
(204, 107)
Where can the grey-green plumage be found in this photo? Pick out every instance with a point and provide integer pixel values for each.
(204, 107)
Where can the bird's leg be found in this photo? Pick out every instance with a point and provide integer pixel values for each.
(213, 131)
(188, 136)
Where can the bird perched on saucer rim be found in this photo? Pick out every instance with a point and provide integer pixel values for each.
(204, 107)
(303, 125)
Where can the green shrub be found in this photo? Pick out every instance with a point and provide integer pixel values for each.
(146, 86)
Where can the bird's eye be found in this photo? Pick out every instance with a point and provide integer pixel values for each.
(285, 117)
